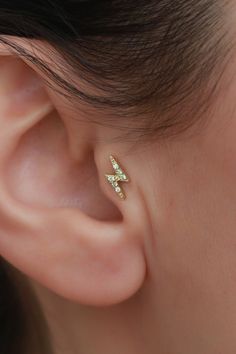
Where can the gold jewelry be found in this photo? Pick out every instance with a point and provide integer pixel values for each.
(119, 176)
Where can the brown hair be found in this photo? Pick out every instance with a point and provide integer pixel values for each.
(147, 61)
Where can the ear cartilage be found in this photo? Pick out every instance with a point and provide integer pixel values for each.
(115, 179)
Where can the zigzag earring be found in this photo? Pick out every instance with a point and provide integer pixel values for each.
(119, 176)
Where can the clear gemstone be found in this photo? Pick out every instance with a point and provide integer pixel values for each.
(118, 189)
(115, 166)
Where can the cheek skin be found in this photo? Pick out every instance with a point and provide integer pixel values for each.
(193, 263)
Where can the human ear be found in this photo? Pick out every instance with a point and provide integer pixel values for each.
(61, 223)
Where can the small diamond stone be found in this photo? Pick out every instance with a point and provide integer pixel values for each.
(118, 176)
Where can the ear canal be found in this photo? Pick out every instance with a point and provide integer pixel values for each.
(57, 225)
(50, 177)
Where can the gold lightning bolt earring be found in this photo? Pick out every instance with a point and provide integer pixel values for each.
(119, 176)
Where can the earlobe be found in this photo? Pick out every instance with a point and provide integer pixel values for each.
(52, 209)
(101, 263)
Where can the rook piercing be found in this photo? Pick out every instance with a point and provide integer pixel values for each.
(119, 176)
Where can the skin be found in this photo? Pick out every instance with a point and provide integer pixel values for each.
(152, 274)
